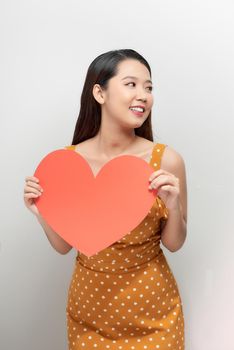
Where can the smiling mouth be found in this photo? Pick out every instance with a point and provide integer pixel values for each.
(138, 108)
(138, 113)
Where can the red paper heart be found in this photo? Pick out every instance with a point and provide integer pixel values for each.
(91, 213)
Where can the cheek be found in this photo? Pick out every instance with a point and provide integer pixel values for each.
(117, 96)
(121, 101)
(151, 99)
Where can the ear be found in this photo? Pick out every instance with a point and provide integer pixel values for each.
(98, 93)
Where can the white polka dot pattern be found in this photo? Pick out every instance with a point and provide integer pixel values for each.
(125, 297)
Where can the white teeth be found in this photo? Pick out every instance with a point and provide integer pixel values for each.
(138, 109)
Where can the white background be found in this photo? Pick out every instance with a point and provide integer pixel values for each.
(46, 48)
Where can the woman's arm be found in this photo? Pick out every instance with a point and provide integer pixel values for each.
(55, 240)
(174, 233)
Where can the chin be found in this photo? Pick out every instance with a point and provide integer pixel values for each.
(133, 123)
(139, 123)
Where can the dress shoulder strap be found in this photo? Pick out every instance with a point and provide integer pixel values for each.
(157, 155)
(70, 147)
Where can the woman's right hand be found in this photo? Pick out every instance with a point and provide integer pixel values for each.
(32, 190)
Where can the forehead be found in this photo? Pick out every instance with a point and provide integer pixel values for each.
(133, 68)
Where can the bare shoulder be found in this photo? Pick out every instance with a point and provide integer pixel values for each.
(172, 160)
(86, 147)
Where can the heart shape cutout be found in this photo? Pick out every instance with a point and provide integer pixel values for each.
(91, 213)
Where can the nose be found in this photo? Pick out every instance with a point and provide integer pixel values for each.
(142, 95)
(143, 99)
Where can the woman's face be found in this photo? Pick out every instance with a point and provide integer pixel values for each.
(123, 93)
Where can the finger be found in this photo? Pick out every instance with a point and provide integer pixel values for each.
(34, 185)
(32, 178)
(154, 175)
(167, 187)
(158, 173)
(30, 195)
(170, 189)
(28, 189)
(163, 180)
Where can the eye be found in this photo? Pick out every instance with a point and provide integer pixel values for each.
(131, 83)
(149, 87)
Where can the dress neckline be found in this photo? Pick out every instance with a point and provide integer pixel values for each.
(73, 148)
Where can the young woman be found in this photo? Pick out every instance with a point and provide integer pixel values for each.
(125, 296)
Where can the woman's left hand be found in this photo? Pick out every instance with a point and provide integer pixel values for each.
(168, 187)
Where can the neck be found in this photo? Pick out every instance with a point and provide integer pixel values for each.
(113, 145)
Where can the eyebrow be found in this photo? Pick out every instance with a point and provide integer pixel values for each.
(131, 77)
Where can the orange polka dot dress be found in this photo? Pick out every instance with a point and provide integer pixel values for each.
(125, 297)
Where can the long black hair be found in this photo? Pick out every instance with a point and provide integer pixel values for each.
(103, 68)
